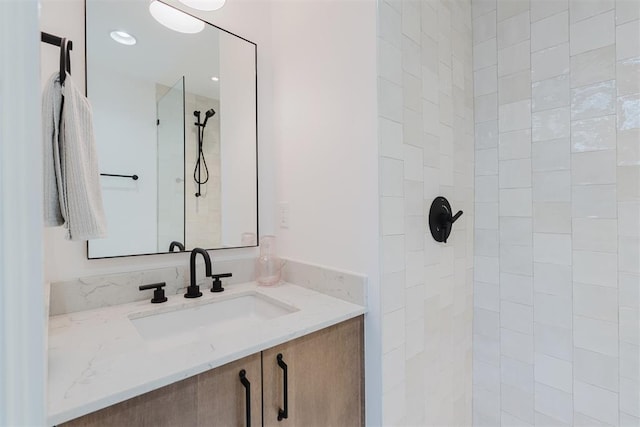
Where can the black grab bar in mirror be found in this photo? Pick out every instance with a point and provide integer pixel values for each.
(133, 177)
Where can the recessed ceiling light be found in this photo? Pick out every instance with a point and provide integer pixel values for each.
(215, 79)
(204, 4)
(175, 19)
(123, 37)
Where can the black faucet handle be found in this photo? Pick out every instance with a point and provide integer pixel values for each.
(217, 283)
(158, 293)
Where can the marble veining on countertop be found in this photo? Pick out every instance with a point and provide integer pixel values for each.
(97, 357)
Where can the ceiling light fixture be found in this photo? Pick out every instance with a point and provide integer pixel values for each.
(123, 37)
(215, 79)
(175, 19)
(204, 4)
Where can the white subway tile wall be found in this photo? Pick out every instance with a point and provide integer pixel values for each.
(557, 229)
(426, 145)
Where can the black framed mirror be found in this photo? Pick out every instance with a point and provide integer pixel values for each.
(179, 111)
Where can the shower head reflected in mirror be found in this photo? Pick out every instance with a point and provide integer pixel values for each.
(207, 115)
(201, 162)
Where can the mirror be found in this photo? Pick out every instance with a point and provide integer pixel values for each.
(175, 120)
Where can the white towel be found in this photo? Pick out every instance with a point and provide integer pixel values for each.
(72, 192)
(51, 103)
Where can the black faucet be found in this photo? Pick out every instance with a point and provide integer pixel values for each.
(176, 244)
(193, 291)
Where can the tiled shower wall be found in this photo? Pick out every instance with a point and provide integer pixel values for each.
(557, 178)
(425, 90)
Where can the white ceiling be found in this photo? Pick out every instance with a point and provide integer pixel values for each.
(161, 55)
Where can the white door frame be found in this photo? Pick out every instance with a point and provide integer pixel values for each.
(22, 312)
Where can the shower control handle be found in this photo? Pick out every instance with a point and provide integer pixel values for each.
(447, 223)
(441, 219)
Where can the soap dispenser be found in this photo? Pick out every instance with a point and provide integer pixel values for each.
(269, 266)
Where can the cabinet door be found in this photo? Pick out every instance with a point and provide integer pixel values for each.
(222, 397)
(214, 398)
(172, 405)
(325, 378)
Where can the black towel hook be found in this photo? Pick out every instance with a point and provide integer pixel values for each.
(65, 59)
(65, 47)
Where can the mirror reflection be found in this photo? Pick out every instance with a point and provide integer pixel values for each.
(178, 111)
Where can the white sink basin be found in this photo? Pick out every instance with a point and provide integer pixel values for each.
(210, 318)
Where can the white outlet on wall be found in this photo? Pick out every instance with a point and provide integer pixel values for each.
(284, 214)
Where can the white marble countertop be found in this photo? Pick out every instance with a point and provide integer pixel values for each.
(97, 357)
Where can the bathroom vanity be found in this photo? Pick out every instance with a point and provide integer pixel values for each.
(324, 387)
(160, 364)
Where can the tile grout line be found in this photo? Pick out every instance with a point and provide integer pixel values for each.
(533, 271)
(573, 344)
(498, 213)
(615, 76)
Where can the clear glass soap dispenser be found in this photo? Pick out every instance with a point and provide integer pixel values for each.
(269, 266)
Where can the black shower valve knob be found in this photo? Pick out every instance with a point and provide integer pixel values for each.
(441, 219)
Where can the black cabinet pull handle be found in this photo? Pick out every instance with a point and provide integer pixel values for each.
(247, 385)
(283, 413)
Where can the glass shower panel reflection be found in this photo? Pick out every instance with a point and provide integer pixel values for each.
(171, 125)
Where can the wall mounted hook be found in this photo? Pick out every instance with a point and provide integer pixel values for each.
(441, 219)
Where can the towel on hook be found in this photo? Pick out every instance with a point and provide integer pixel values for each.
(72, 192)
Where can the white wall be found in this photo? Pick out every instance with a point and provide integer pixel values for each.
(130, 206)
(237, 139)
(324, 102)
(324, 106)
(247, 18)
(556, 328)
(22, 301)
(425, 124)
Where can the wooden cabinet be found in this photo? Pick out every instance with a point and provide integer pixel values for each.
(213, 398)
(325, 373)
